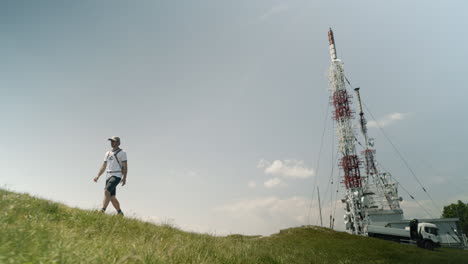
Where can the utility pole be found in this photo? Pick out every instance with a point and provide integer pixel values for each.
(320, 207)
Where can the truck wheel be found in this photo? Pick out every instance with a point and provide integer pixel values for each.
(428, 245)
(420, 243)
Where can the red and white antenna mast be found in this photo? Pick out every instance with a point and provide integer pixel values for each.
(370, 197)
(349, 162)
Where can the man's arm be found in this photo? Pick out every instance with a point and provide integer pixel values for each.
(124, 172)
(101, 171)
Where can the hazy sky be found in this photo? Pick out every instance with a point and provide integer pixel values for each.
(221, 105)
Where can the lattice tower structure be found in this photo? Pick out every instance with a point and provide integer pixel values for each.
(349, 161)
(380, 186)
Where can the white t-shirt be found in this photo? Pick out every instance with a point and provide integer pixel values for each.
(113, 168)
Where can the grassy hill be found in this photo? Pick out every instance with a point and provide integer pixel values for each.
(34, 230)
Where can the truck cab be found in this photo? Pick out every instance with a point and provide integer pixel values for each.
(426, 235)
(429, 234)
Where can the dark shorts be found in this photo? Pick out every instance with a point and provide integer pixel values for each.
(111, 184)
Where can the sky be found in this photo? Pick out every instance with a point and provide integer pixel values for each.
(223, 106)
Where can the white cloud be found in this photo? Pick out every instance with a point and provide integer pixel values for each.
(268, 215)
(424, 209)
(275, 10)
(255, 216)
(263, 163)
(286, 168)
(244, 206)
(273, 182)
(252, 184)
(387, 120)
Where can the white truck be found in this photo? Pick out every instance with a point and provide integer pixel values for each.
(424, 235)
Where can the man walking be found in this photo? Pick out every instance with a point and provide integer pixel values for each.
(115, 165)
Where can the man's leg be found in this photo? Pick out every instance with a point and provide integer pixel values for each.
(107, 198)
(115, 203)
(109, 191)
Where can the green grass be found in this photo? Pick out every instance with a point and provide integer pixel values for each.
(34, 230)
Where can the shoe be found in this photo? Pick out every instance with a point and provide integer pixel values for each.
(120, 213)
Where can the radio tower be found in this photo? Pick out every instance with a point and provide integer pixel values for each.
(372, 197)
(349, 162)
(372, 203)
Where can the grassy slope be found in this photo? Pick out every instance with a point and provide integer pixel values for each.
(33, 230)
